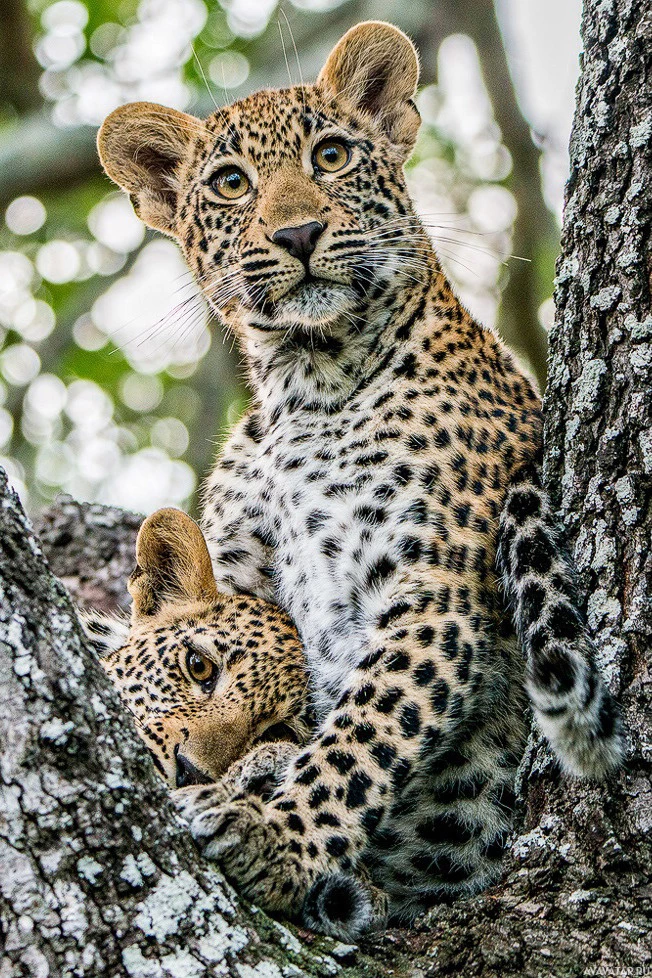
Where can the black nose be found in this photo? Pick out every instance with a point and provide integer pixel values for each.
(187, 773)
(301, 241)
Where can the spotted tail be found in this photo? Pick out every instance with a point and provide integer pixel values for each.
(572, 705)
(344, 906)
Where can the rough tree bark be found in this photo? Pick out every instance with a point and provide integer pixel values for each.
(578, 897)
(97, 876)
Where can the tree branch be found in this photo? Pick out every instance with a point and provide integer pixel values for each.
(19, 69)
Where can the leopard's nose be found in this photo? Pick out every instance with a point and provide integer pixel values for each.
(187, 773)
(300, 242)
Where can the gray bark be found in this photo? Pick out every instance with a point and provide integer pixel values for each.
(91, 549)
(577, 897)
(98, 877)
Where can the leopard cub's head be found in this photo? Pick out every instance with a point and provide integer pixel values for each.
(289, 205)
(204, 674)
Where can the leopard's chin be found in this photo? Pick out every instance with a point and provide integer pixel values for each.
(315, 302)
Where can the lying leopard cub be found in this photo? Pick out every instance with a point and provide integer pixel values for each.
(211, 679)
(214, 680)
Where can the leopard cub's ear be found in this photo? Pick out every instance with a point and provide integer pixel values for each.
(141, 147)
(172, 563)
(106, 633)
(375, 67)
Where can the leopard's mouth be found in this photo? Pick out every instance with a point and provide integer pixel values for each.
(314, 301)
(310, 286)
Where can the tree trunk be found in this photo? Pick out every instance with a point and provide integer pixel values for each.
(97, 875)
(577, 898)
(534, 233)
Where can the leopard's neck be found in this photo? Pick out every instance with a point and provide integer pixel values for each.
(320, 370)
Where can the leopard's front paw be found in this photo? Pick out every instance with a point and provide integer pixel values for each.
(255, 854)
(257, 773)
(197, 798)
(238, 824)
(261, 771)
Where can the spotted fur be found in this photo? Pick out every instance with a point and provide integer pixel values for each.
(362, 492)
(572, 705)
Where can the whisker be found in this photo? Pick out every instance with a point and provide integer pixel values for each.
(296, 55)
(201, 71)
(385, 236)
(287, 65)
(188, 306)
(190, 315)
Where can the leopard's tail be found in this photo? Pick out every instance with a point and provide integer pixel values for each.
(342, 905)
(571, 703)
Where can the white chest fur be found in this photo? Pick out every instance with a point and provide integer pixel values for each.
(334, 513)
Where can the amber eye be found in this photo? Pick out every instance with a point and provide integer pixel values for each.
(331, 155)
(230, 183)
(201, 669)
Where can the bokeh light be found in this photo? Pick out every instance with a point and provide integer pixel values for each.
(155, 314)
(25, 215)
(19, 363)
(58, 261)
(229, 70)
(114, 224)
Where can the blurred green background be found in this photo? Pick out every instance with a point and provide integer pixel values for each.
(114, 384)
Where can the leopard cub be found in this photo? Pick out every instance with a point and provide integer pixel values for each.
(211, 679)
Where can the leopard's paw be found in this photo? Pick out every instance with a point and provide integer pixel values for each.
(261, 771)
(257, 773)
(254, 853)
(236, 823)
(198, 798)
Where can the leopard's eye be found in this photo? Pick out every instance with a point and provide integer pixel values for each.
(230, 183)
(201, 669)
(331, 155)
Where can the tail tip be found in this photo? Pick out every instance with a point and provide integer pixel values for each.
(591, 746)
(339, 905)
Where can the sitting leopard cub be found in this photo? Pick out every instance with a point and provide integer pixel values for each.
(383, 489)
(215, 682)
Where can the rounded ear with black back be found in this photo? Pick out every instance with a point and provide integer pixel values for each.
(375, 67)
(172, 563)
(106, 632)
(141, 146)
